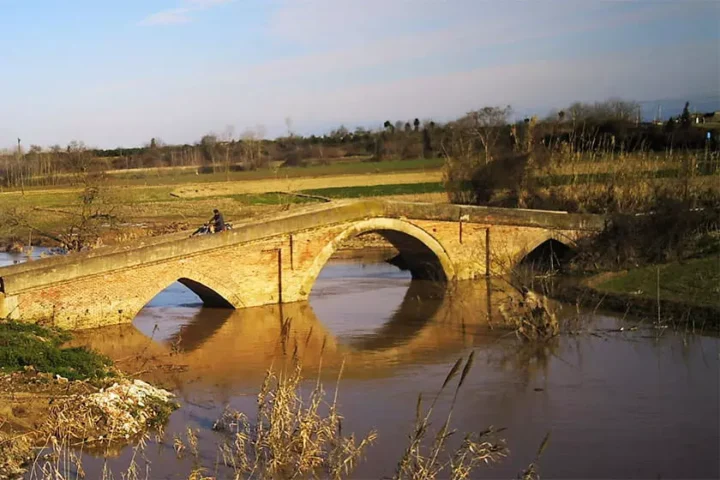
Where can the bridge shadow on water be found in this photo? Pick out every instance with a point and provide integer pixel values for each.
(235, 347)
(417, 309)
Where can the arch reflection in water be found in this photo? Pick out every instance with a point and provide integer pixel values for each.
(220, 347)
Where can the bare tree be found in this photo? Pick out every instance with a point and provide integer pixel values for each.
(611, 109)
(252, 147)
(486, 124)
(289, 126)
(82, 224)
(208, 146)
(227, 140)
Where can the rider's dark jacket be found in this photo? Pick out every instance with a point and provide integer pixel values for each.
(219, 222)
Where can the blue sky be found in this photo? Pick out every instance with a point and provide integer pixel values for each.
(119, 73)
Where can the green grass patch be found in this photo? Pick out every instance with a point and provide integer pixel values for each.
(695, 281)
(23, 344)
(269, 199)
(377, 190)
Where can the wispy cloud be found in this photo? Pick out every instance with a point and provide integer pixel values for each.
(181, 14)
(453, 41)
(174, 16)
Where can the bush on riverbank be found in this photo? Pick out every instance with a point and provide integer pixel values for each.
(673, 232)
(28, 345)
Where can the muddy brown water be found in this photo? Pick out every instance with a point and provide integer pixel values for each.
(640, 404)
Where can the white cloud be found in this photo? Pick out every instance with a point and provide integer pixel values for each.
(174, 16)
(180, 15)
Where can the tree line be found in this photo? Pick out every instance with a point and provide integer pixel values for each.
(613, 125)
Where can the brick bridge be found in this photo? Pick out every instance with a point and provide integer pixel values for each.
(277, 260)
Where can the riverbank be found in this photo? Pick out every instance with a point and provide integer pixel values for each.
(682, 293)
(54, 395)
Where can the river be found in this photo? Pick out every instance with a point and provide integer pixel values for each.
(630, 404)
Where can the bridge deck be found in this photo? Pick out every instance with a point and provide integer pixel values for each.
(40, 272)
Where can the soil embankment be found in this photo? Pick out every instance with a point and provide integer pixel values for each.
(686, 292)
(53, 395)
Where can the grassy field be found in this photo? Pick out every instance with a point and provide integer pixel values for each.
(182, 176)
(163, 202)
(361, 191)
(142, 208)
(694, 281)
(302, 184)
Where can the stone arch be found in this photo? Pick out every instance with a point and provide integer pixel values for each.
(212, 293)
(549, 235)
(209, 297)
(426, 257)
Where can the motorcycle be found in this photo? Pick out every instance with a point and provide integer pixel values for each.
(209, 229)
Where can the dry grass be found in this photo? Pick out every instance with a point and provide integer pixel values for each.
(104, 423)
(531, 318)
(15, 450)
(564, 160)
(429, 456)
(290, 437)
(598, 180)
(605, 182)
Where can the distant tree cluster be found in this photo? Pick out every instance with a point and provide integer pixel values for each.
(616, 123)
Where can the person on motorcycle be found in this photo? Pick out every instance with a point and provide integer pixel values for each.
(217, 221)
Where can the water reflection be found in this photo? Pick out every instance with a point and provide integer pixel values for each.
(234, 348)
(634, 404)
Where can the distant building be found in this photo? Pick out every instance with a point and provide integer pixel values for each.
(711, 117)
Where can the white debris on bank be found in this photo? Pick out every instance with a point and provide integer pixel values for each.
(130, 405)
(120, 411)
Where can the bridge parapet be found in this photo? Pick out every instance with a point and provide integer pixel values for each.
(518, 217)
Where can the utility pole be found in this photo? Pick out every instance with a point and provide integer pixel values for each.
(20, 167)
